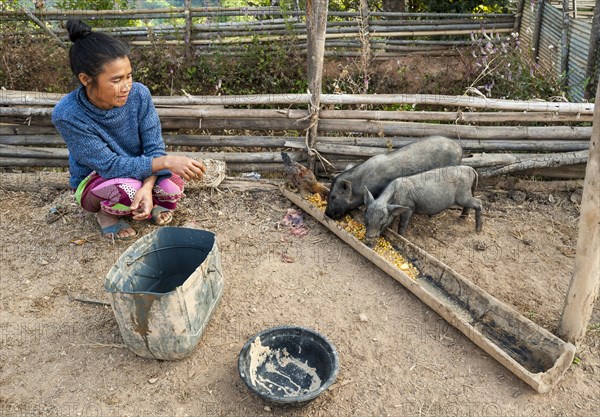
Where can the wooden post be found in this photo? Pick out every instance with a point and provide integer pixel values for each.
(519, 16)
(585, 281)
(537, 33)
(574, 9)
(564, 40)
(316, 26)
(592, 72)
(188, 28)
(365, 40)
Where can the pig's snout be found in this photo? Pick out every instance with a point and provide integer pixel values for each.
(370, 241)
(333, 213)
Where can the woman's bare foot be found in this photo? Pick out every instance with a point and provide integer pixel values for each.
(161, 216)
(106, 220)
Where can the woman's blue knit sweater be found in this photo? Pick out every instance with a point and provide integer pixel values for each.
(116, 143)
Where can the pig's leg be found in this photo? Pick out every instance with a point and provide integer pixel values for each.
(478, 219)
(469, 202)
(404, 220)
(465, 212)
(476, 205)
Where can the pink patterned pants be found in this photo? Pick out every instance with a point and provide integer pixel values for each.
(114, 196)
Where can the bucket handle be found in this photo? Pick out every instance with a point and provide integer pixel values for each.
(129, 261)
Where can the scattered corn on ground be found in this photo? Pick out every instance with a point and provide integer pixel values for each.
(383, 247)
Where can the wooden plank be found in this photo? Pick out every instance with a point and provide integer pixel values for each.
(11, 162)
(489, 145)
(566, 172)
(10, 151)
(457, 131)
(541, 161)
(210, 112)
(526, 349)
(12, 97)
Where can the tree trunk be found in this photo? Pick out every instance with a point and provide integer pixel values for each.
(316, 25)
(583, 289)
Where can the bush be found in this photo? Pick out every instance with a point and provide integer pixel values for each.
(32, 62)
(504, 70)
(261, 68)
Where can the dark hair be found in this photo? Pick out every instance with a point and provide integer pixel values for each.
(91, 50)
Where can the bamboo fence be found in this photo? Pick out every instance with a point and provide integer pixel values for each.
(498, 136)
(207, 28)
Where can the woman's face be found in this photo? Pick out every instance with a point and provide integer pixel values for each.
(112, 85)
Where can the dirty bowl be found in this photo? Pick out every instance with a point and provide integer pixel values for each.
(288, 365)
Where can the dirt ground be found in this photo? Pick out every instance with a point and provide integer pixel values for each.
(61, 357)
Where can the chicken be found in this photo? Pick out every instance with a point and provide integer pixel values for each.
(302, 178)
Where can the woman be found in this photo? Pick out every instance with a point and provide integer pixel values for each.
(117, 157)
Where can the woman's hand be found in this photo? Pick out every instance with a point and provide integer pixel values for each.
(142, 202)
(186, 168)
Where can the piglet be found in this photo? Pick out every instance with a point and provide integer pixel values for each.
(430, 192)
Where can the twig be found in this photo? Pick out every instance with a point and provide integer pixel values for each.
(99, 345)
(86, 300)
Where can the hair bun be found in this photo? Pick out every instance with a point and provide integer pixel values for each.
(77, 29)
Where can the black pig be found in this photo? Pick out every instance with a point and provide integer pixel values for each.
(429, 192)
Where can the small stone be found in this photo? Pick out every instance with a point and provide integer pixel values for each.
(267, 408)
(363, 317)
(153, 380)
(480, 246)
(44, 262)
(404, 266)
(517, 196)
(551, 198)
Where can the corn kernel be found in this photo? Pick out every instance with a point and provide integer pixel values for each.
(382, 247)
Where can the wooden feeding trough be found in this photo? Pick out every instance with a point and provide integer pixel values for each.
(530, 352)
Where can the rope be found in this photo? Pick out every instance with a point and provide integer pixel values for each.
(313, 115)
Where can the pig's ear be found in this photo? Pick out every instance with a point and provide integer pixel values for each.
(368, 197)
(346, 187)
(396, 210)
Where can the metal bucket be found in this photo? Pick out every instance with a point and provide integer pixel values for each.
(165, 288)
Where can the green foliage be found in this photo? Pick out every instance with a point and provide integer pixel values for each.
(264, 67)
(94, 4)
(429, 6)
(10, 5)
(99, 5)
(459, 6)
